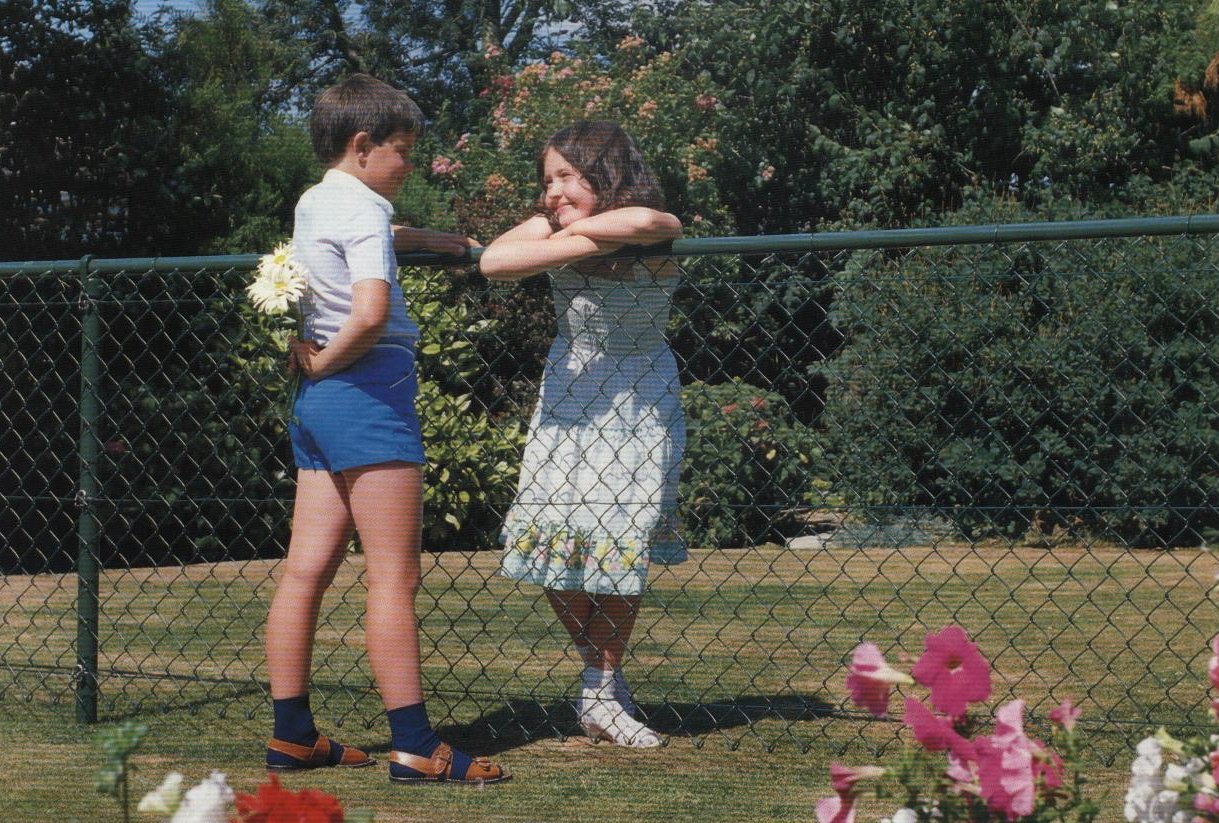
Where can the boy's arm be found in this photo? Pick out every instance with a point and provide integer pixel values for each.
(532, 248)
(369, 314)
(408, 238)
(630, 225)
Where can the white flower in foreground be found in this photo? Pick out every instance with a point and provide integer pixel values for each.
(904, 815)
(164, 799)
(206, 803)
(279, 281)
(1147, 800)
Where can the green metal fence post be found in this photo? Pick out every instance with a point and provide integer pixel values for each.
(87, 559)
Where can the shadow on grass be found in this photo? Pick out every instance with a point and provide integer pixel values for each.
(520, 722)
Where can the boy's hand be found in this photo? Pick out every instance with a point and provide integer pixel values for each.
(407, 238)
(302, 356)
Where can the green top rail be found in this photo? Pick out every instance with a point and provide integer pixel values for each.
(697, 246)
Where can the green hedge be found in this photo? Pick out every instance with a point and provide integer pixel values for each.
(1037, 388)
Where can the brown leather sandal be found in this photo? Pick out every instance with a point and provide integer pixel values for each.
(439, 768)
(316, 756)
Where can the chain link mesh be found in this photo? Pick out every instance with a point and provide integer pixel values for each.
(1019, 437)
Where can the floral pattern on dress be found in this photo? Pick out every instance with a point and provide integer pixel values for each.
(550, 554)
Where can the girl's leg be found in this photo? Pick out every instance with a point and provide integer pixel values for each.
(387, 506)
(605, 697)
(610, 626)
(611, 621)
(574, 610)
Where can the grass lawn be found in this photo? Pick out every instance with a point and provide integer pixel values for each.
(738, 657)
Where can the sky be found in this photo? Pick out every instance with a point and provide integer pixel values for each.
(146, 7)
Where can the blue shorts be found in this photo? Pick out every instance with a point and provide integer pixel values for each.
(362, 416)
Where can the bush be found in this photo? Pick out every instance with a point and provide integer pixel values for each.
(1039, 387)
(749, 467)
(473, 456)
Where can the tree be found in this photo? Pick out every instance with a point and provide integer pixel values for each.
(438, 50)
(883, 113)
(83, 146)
(245, 155)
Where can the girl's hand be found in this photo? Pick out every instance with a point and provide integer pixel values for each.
(303, 357)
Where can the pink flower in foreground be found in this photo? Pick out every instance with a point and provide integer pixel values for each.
(1213, 668)
(1047, 768)
(836, 809)
(1005, 764)
(1066, 714)
(963, 772)
(871, 678)
(844, 778)
(954, 670)
(935, 734)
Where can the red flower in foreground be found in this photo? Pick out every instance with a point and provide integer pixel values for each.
(954, 670)
(844, 778)
(836, 809)
(271, 803)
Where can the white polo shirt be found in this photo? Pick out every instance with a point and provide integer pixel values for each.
(342, 234)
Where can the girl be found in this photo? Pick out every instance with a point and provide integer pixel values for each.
(596, 502)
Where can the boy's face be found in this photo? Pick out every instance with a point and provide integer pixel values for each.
(568, 195)
(387, 164)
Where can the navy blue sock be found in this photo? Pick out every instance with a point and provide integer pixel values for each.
(294, 721)
(411, 732)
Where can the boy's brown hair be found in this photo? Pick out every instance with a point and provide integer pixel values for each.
(609, 160)
(359, 103)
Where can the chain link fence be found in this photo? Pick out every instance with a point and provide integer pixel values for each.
(1011, 428)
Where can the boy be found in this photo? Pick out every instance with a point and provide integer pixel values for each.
(356, 440)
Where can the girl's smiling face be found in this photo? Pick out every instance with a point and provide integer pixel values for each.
(569, 197)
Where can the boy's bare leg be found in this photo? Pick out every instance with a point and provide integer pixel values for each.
(387, 505)
(321, 530)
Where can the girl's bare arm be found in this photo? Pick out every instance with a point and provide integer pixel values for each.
(533, 247)
(630, 225)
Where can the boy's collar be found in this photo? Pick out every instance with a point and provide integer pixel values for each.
(356, 184)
